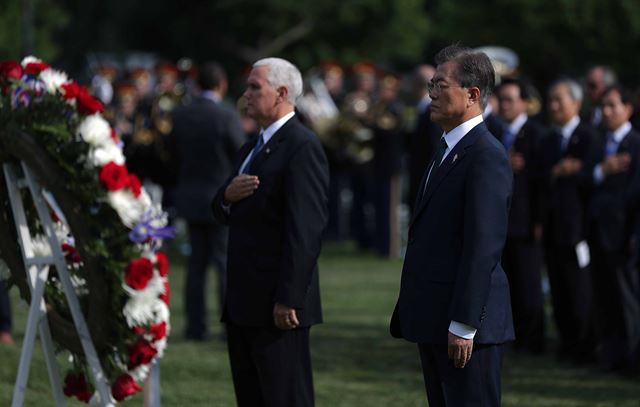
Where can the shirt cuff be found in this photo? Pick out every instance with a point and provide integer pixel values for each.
(598, 174)
(462, 330)
(226, 207)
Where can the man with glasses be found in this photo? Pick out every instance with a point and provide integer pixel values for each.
(454, 295)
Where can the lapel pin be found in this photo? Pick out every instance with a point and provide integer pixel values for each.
(455, 158)
(268, 150)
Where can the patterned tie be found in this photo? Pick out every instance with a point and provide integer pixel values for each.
(254, 152)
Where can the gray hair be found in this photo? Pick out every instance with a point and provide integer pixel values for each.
(575, 90)
(473, 69)
(283, 73)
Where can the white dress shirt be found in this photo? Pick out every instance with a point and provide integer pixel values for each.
(567, 130)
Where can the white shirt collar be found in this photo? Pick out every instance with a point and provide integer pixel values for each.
(455, 135)
(568, 129)
(211, 95)
(516, 125)
(620, 133)
(275, 126)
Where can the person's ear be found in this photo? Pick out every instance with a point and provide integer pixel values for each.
(474, 95)
(283, 94)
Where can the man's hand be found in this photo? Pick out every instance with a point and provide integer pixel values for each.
(517, 161)
(459, 350)
(284, 317)
(240, 187)
(616, 163)
(567, 166)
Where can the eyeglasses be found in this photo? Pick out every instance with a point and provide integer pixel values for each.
(435, 88)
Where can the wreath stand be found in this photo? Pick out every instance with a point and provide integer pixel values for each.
(38, 271)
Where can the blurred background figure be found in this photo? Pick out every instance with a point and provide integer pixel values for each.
(612, 166)
(564, 152)
(599, 78)
(5, 315)
(387, 126)
(205, 137)
(522, 256)
(425, 133)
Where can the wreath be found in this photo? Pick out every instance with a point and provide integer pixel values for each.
(112, 235)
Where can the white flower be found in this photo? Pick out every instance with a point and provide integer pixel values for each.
(161, 344)
(28, 60)
(140, 373)
(142, 310)
(129, 208)
(95, 130)
(102, 155)
(41, 246)
(53, 80)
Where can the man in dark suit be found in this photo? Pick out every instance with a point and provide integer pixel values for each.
(276, 217)
(206, 136)
(522, 258)
(563, 153)
(454, 295)
(611, 167)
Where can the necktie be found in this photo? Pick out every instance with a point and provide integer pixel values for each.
(254, 152)
(612, 145)
(507, 139)
(437, 160)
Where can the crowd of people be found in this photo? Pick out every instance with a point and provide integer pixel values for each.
(576, 192)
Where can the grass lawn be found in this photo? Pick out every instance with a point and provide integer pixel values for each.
(356, 362)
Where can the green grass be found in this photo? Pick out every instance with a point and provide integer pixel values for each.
(356, 362)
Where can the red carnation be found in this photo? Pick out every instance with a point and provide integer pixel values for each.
(10, 70)
(163, 263)
(139, 272)
(158, 331)
(141, 353)
(166, 296)
(123, 387)
(139, 330)
(70, 253)
(87, 104)
(114, 176)
(134, 185)
(71, 90)
(34, 68)
(76, 385)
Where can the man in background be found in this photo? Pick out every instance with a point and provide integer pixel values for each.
(206, 136)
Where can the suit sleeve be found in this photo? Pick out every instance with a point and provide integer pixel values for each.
(307, 184)
(488, 195)
(219, 213)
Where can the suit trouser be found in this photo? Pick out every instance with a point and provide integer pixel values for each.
(270, 367)
(571, 294)
(208, 244)
(609, 268)
(522, 261)
(477, 384)
(5, 308)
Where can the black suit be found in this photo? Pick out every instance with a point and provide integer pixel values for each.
(611, 226)
(5, 309)
(206, 136)
(565, 203)
(522, 258)
(452, 270)
(274, 243)
(421, 147)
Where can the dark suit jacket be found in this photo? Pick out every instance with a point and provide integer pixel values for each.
(525, 206)
(421, 147)
(274, 234)
(609, 208)
(565, 198)
(205, 139)
(452, 266)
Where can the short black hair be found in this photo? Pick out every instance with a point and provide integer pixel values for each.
(626, 96)
(522, 87)
(473, 69)
(211, 75)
